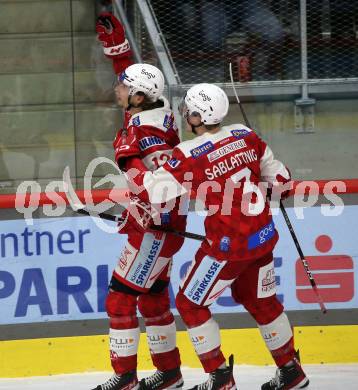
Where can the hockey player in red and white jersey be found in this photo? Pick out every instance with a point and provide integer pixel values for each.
(229, 167)
(141, 277)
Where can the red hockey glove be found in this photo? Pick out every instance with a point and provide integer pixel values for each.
(138, 215)
(285, 185)
(126, 145)
(115, 45)
(281, 189)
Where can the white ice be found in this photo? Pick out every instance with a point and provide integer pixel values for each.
(322, 377)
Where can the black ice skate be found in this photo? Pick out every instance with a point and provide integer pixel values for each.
(286, 378)
(160, 380)
(220, 379)
(127, 381)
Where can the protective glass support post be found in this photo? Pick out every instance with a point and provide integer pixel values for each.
(305, 115)
(305, 106)
(158, 41)
(120, 12)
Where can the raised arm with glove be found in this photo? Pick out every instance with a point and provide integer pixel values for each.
(111, 34)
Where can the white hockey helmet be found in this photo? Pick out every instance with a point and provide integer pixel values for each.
(207, 100)
(144, 78)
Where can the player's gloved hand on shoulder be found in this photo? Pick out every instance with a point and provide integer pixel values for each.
(138, 215)
(110, 33)
(125, 146)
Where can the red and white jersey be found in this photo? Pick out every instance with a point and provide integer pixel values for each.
(156, 132)
(224, 169)
(157, 135)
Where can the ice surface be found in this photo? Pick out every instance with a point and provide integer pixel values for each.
(322, 377)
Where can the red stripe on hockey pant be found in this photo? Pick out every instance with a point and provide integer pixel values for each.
(122, 310)
(207, 278)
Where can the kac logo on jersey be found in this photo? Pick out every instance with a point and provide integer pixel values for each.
(173, 163)
(240, 133)
(263, 235)
(168, 121)
(136, 121)
(202, 149)
(148, 142)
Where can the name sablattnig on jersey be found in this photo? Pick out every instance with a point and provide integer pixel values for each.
(229, 164)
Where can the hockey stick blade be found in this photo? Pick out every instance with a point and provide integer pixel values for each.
(76, 203)
(72, 197)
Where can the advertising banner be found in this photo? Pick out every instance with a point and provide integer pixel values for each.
(59, 268)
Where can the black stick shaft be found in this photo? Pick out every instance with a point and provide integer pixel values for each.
(303, 259)
(110, 217)
(244, 116)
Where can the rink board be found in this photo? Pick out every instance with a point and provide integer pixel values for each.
(66, 280)
(58, 269)
(37, 357)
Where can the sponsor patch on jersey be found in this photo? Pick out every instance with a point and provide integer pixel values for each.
(263, 235)
(168, 121)
(126, 259)
(266, 285)
(240, 133)
(202, 149)
(140, 275)
(224, 150)
(173, 162)
(136, 121)
(203, 279)
(224, 141)
(148, 142)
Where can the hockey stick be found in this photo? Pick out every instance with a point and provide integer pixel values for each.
(303, 259)
(110, 217)
(81, 208)
(247, 123)
(285, 215)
